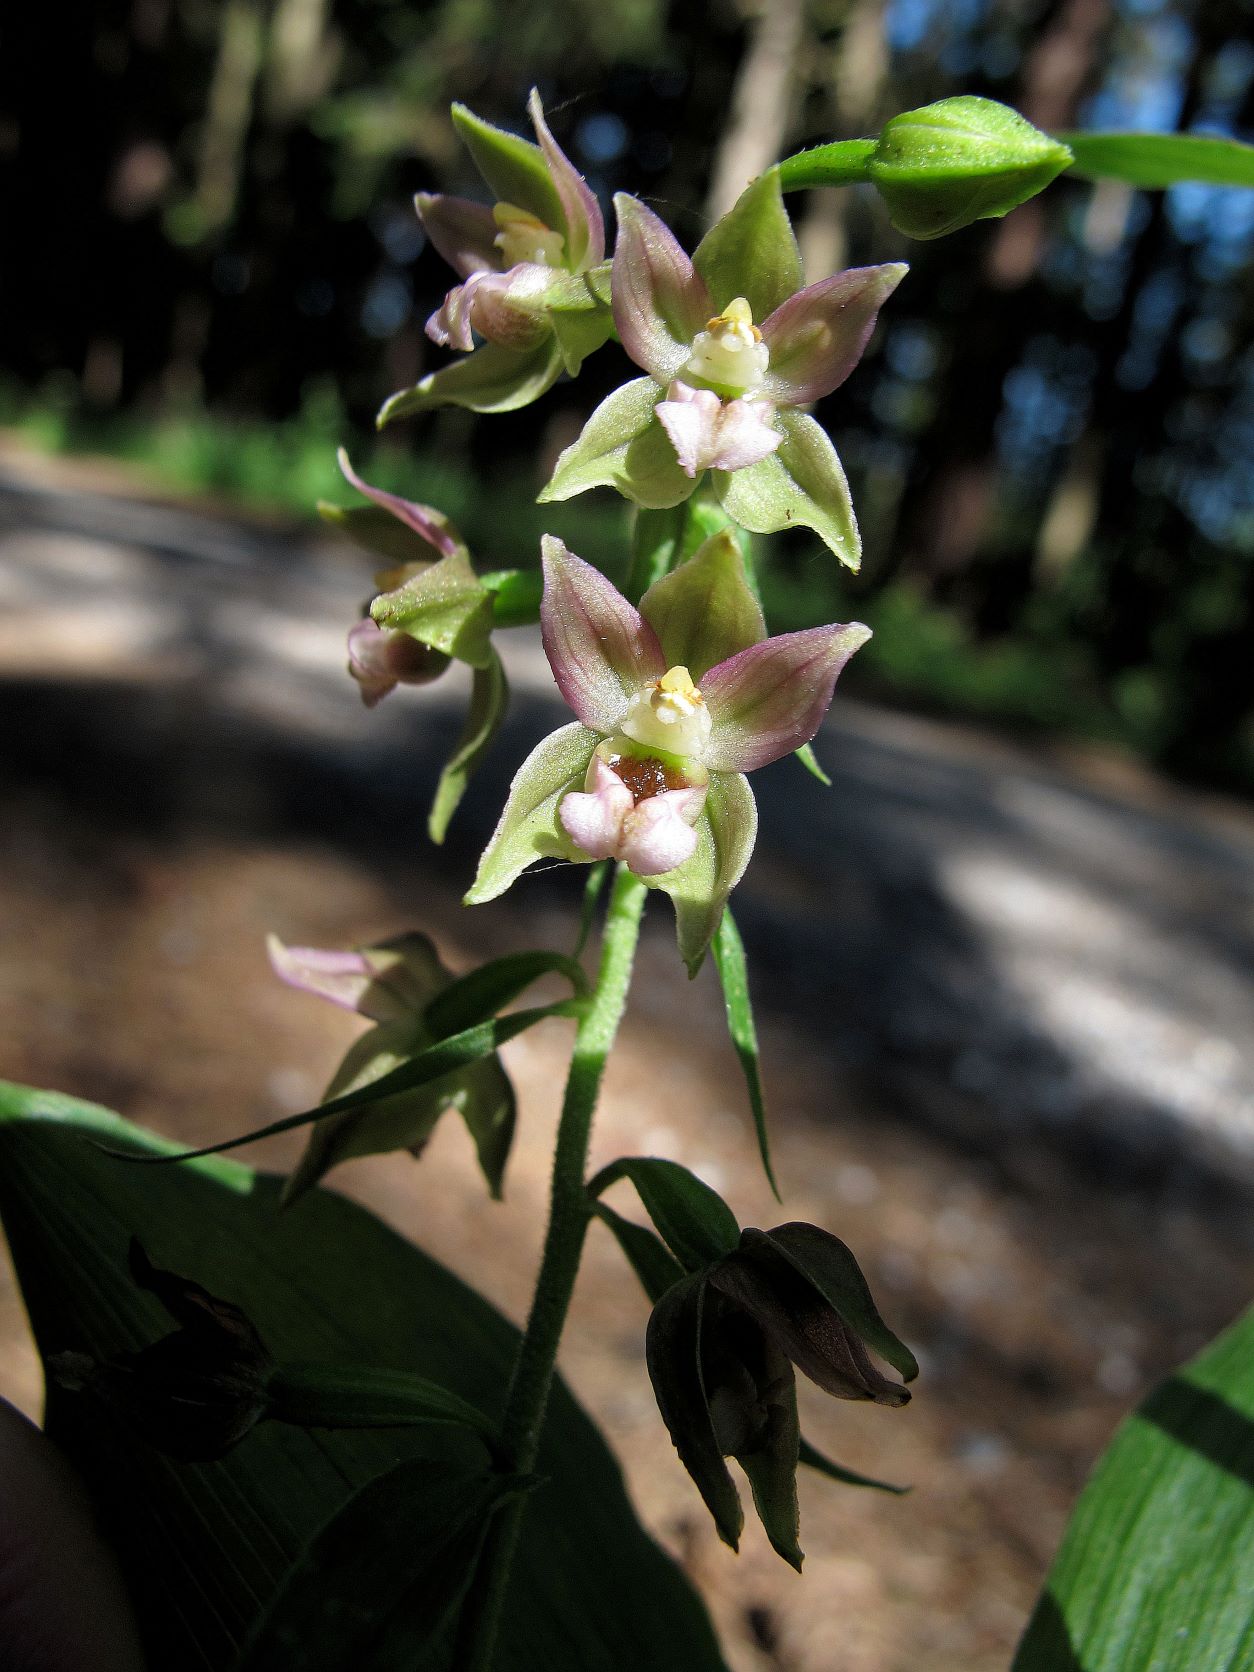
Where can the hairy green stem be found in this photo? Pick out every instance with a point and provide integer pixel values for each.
(569, 1213)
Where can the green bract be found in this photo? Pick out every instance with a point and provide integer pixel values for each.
(960, 160)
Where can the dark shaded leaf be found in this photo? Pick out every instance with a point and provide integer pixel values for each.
(204, 1548)
(696, 1222)
(814, 1459)
(482, 992)
(673, 1352)
(650, 1259)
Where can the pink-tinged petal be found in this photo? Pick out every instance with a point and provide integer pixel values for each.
(342, 977)
(593, 818)
(660, 301)
(768, 700)
(817, 337)
(600, 648)
(380, 660)
(463, 232)
(713, 434)
(451, 324)
(585, 228)
(431, 525)
(658, 834)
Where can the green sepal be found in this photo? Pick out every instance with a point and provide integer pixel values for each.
(814, 1459)
(673, 1354)
(960, 160)
(623, 446)
(580, 332)
(378, 531)
(516, 595)
(694, 1220)
(700, 886)
(810, 761)
(513, 167)
(752, 252)
(800, 485)
(1155, 161)
(383, 1582)
(529, 829)
(446, 607)
(489, 698)
(645, 1252)
(491, 379)
(733, 974)
(703, 611)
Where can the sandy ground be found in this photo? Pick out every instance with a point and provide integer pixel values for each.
(1002, 999)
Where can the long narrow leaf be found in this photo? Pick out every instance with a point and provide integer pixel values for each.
(1160, 160)
(733, 972)
(482, 992)
(489, 698)
(696, 1222)
(814, 1459)
(431, 1064)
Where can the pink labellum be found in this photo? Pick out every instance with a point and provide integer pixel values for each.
(768, 700)
(660, 301)
(712, 434)
(506, 308)
(431, 525)
(585, 228)
(817, 337)
(380, 659)
(463, 232)
(651, 836)
(600, 648)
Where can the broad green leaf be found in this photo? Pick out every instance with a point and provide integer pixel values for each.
(446, 607)
(491, 379)
(484, 991)
(831, 1267)
(814, 1459)
(648, 1256)
(733, 973)
(840, 164)
(1159, 160)
(752, 252)
(699, 888)
(204, 1549)
(696, 1222)
(623, 446)
(516, 596)
(673, 1352)
(385, 1578)
(513, 167)
(801, 485)
(1154, 1570)
(703, 611)
(489, 698)
(529, 828)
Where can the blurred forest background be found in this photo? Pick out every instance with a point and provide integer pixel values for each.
(219, 272)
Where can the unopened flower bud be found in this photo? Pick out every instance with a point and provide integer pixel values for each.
(960, 160)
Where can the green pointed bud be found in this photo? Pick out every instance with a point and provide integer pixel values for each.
(960, 160)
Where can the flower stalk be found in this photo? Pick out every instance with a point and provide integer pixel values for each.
(569, 1213)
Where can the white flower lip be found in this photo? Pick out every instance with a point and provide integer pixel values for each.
(669, 714)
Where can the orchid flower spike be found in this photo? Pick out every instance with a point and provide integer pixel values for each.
(675, 701)
(534, 284)
(733, 346)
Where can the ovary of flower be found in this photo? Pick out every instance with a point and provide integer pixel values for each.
(524, 237)
(651, 834)
(729, 354)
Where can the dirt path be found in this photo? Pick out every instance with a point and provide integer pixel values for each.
(1003, 1001)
